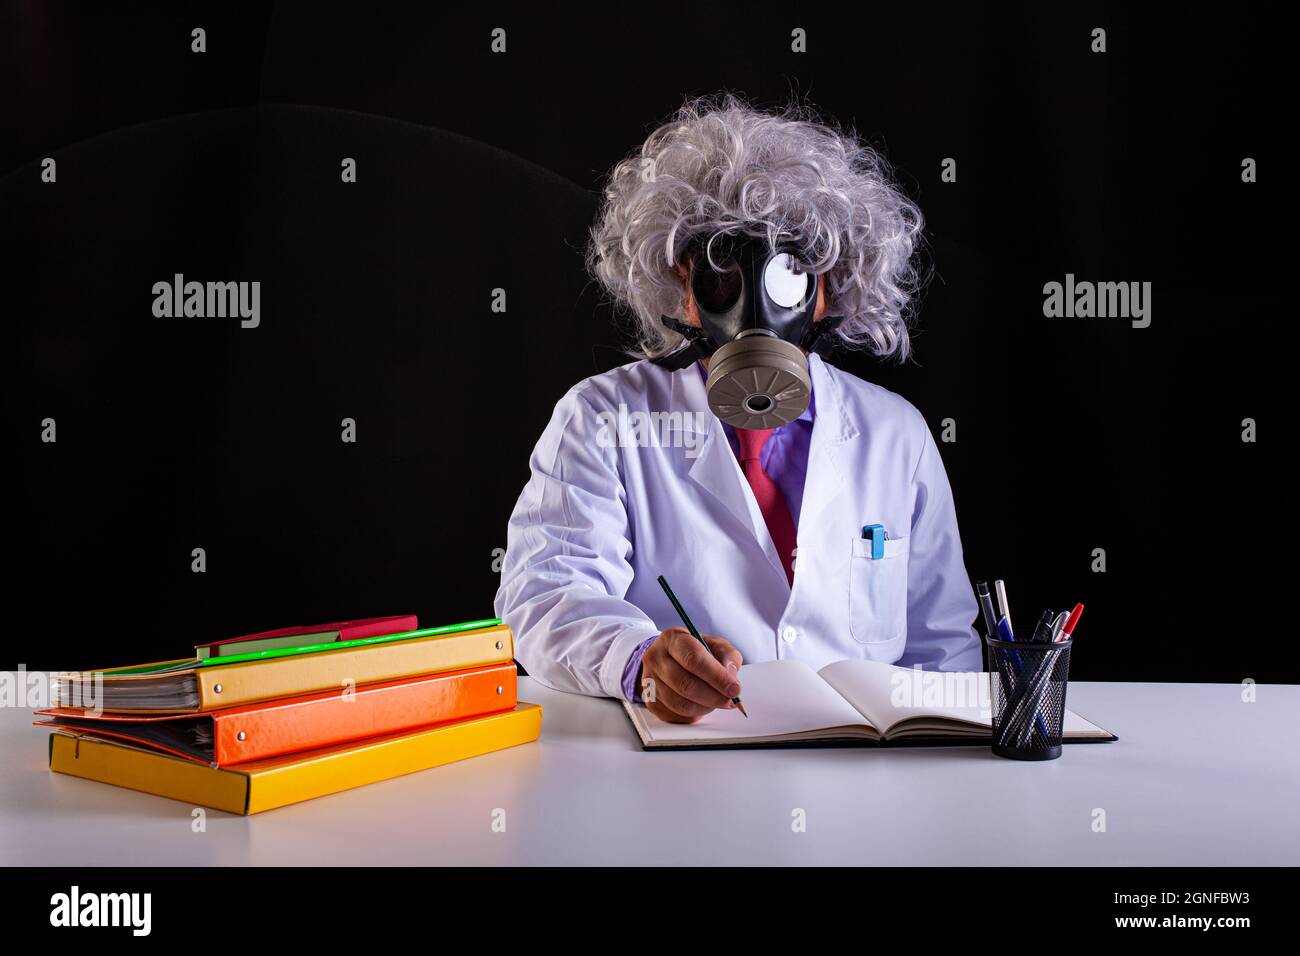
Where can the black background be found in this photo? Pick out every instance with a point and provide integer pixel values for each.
(478, 171)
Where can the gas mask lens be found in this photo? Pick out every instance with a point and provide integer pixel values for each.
(784, 283)
(717, 289)
(716, 278)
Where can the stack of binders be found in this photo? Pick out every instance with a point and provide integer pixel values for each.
(270, 719)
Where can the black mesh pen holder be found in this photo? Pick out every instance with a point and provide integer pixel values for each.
(1027, 690)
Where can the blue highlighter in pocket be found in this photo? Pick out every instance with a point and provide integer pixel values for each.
(875, 533)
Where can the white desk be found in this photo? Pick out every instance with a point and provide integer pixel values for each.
(1197, 778)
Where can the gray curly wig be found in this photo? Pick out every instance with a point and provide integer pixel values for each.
(720, 166)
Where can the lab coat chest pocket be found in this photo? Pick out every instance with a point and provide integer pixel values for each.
(878, 592)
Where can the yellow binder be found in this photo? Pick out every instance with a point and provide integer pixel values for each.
(291, 676)
(203, 687)
(266, 784)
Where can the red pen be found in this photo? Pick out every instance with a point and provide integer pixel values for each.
(1068, 629)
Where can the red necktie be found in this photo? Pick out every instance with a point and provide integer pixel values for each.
(770, 501)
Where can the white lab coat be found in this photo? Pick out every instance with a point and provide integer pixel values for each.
(608, 509)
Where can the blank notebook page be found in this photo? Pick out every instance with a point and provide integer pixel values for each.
(870, 687)
(782, 697)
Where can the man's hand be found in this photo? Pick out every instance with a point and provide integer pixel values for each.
(681, 682)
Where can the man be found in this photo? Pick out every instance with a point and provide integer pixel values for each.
(797, 511)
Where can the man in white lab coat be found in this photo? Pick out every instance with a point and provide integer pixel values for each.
(797, 511)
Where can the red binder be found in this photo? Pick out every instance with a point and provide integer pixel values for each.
(335, 631)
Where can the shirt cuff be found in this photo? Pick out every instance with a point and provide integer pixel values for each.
(632, 668)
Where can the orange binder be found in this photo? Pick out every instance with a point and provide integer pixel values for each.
(235, 735)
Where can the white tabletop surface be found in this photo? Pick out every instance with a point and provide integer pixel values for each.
(1198, 777)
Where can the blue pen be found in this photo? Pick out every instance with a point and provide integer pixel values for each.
(1004, 632)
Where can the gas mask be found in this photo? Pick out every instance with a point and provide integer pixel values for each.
(756, 313)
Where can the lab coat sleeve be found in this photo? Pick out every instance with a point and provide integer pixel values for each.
(566, 569)
(941, 604)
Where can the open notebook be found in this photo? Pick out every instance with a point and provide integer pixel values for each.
(848, 701)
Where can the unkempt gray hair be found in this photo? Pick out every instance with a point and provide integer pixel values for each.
(721, 166)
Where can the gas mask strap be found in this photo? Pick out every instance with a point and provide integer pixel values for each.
(696, 347)
(818, 338)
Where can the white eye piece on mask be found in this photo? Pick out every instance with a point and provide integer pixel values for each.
(784, 283)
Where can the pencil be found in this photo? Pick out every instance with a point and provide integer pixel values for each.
(681, 612)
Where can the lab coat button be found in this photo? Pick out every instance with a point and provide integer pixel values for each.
(789, 635)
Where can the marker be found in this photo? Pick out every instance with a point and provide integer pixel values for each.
(1067, 630)
(1058, 624)
(875, 533)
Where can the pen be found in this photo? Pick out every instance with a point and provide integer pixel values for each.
(986, 608)
(1058, 624)
(1013, 704)
(1004, 609)
(681, 612)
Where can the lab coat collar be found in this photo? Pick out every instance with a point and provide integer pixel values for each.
(832, 420)
(828, 470)
(714, 467)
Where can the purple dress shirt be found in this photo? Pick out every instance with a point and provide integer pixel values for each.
(785, 459)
